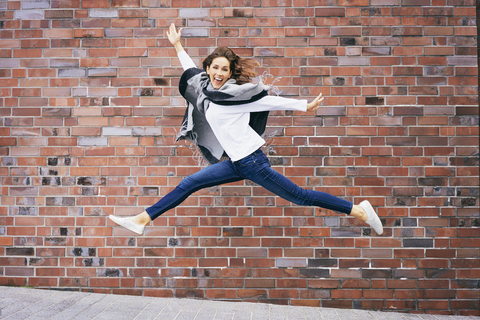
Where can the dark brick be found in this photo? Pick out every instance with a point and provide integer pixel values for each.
(376, 273)
(409, 274)
(92, 181)
(330, 52)
(56, 241)
(28, 211)
(374, 101)
(52, 161)
(51, 181)
(315, 263)
(241, 13)
(93, 262)
(89, 252)
(347, 41)
(108, 272)
(20, 251)
(345, 232)
(371, 12)
(409, 222)
(150, 191)
(440, 191)
(418, 243)
(470, 283)
(439, 273)
(468, 202)
(338, 81)
(277, 161)
(60, 201)
(314, 273)
(465, 161)
(147, 92)
(88, 191)
(341, 304)
(432, 181)
(233, 232)
(407, 232)
(354, 263)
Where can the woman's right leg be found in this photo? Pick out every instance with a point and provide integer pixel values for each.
(210, 176)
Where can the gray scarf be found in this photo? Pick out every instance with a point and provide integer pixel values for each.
(196, 88)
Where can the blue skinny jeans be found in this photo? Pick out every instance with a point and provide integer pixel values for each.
(256, 168)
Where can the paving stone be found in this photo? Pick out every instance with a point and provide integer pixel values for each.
(8, 291)
(153, 308)
(173, 308)
(39, 306)
(328, 313)
(134, 310)
(312, 313)
(56, 308)
(224, 316)
(72, 311)
(295, 313)
(96, 308)
(116, 308)
(20, 301)
(206, 313)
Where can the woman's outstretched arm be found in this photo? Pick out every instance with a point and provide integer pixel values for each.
(315, 104)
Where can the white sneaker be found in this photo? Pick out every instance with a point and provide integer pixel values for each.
(128, 224)
(373, 219)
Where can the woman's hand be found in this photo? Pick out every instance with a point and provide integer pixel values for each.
(315, 104)
(173, 35)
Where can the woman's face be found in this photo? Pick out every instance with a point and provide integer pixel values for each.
(219, 72)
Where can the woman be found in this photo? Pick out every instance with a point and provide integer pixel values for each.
(227, 114)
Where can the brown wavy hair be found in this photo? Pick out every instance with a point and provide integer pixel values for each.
(243, 69)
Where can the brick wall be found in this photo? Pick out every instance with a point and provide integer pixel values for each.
(89, 108)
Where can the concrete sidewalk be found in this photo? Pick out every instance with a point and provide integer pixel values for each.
(24, 303)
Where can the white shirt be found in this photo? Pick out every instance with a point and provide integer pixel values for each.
(230, 123)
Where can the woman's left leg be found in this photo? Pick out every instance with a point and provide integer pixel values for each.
(256, 168)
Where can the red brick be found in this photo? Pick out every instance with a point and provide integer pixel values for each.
(402, 136)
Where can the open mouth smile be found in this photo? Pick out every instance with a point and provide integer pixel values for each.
(217, 81)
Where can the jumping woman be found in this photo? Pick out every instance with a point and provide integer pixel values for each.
(226, 115)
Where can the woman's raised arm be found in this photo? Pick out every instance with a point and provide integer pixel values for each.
(174, 37)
